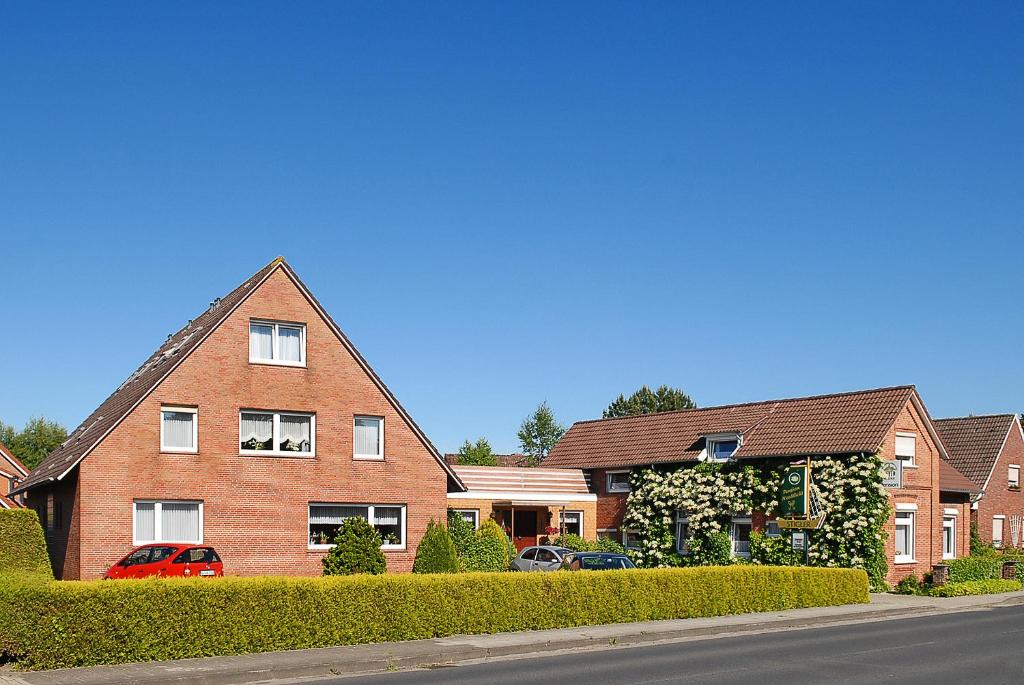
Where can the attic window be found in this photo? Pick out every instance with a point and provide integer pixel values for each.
(272, 342)
(720, 448)
(906, 448)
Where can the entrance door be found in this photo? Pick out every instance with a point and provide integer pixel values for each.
(525, 533)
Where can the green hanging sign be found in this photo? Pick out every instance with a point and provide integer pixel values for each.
(794, 492)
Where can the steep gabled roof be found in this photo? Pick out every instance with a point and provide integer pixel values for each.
(168, 356)
(843, 423)
(15, 463)
(974, 443)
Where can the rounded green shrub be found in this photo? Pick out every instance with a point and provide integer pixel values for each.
(491, 529)
(356, 550)
(436, 553)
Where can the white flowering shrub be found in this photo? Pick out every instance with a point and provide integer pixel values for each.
(855, 504)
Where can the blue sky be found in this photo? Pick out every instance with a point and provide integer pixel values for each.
(508, 204)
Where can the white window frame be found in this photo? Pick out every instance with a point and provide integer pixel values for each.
(275, 435)
(195, 430)
(949, 522)
(608, 481)
(1011, 471)
(682, 519)
(380, 439)
(713, 439)
(369, 517)
(561, 522)
(626, 532)
(475, 513)
(743, 521)
(910, 463)
(276, 346)
(158, 521)
(1002, 531)
(909, 512)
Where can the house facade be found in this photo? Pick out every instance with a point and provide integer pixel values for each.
(532, 505)
(12, 471)
(929, 521)
(989, 450)
(257, 429)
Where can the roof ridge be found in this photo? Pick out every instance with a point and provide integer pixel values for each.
(751, 404)
(975, 416)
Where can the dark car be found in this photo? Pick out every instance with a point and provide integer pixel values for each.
(596, 561)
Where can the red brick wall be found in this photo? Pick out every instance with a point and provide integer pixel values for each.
(61, 540)
(999, 499)
(255, 507)
(920, 487)
(611, 506)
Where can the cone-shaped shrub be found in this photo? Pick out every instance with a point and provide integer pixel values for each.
(356, 550)
(436, 553)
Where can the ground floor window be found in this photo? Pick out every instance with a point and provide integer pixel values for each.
(325, 519)
(571, 522)
(949, 537)
(630, 539)
(997, 530)
(740, 534)
(904, 537)
(167, 521)
(608, 534)
(470, 516)
(682, 533)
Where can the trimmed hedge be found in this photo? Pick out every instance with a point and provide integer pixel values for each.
(976, 587)
(22, 545)
(974, 568)
(63, 624)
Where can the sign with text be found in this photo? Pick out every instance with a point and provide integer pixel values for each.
(793, 492)
(892, 473)
(798, 542)
(802, 524)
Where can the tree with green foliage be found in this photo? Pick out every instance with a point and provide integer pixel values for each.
(356, 550)
(646, 401)
(32, 443)
(478, 454)
(436, 553)
(539, 433)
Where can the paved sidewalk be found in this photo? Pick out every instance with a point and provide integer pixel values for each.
(334, 661)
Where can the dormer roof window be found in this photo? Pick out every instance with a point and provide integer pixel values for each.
(720, 447)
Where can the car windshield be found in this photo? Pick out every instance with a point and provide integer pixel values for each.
(601, 563)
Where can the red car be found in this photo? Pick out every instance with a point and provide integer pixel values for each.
(168, 560)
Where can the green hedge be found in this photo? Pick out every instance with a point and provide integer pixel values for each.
(22, 545)
(976, 587)
(973, 568)
(62, 624)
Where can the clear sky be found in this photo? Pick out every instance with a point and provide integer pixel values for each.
(509, 203)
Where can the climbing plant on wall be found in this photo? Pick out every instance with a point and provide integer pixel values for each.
(856, 509)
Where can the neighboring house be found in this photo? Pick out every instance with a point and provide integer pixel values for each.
(527, 501)
(257, 429)
(989, 450)
(12, 471)
(893, 421)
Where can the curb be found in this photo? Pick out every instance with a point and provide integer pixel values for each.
(384, 657)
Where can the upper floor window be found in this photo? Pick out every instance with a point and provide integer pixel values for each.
(277, 433)
(368, 437)
(271, 342)
(179, 430)
(721, 447)
(618, 481)
(1013, 476)
(906, 448)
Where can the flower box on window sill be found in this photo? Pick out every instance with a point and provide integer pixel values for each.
(1015, 488)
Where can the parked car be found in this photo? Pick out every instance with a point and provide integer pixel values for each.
(542, 558)
(168, 561)
(596, 561)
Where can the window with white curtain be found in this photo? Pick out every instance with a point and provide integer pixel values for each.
(571, 522)
(904, 537)
(997, 530)
(277, 433)
(272, 342)
(368, 437)
(179, 430)
(906, 448)
(326, 519)
(167, 521)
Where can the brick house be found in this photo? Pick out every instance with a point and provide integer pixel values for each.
(930, 508)
(11, 473)
(989, 450)
(257, 428)
(527, 501)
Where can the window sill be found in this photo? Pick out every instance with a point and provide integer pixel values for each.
(271, 362)
(272, 453)
(1014, 488)
(383, 548)
(904, 560)
(618, 492)
(907, 465)
(164, 450)
(363, 457)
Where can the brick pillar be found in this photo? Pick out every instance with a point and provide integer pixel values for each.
(1009, 570)
(940, 574)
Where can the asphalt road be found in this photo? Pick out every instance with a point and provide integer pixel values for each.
(969, 648)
